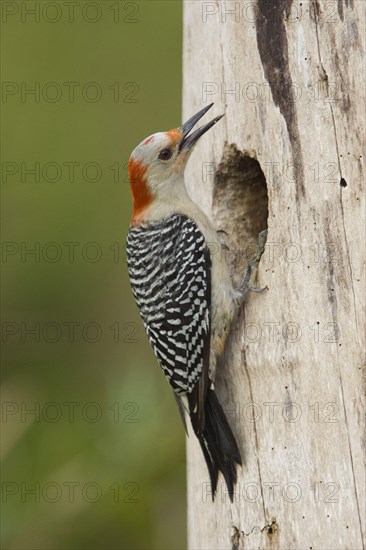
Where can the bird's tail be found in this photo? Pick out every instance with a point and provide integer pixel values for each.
(219, 445)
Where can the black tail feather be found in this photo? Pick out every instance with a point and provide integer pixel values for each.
(212, 467)
(219, 445)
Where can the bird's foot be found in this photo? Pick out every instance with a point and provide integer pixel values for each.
(248, 284)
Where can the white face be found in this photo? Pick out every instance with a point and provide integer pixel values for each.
(160, 156)
(148, 150)
(157, 164)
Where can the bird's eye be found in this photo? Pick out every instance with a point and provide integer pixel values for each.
(165, 154)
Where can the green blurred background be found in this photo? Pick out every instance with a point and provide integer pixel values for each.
(99, 463)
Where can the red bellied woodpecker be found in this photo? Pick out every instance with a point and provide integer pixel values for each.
(184, 293)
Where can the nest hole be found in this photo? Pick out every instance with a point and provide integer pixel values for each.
(240, 206)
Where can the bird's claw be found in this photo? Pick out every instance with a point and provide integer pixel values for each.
(251, 271)
(262, 239)
(258, 290)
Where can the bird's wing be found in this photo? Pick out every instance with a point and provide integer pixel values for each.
(171, 282)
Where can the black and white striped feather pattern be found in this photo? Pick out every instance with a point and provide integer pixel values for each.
(170, 273)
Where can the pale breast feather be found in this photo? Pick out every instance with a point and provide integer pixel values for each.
(170, 273)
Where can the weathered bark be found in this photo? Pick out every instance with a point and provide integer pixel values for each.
(289, 77)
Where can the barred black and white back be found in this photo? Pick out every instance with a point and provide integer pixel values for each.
(169, 266)
(170, 273)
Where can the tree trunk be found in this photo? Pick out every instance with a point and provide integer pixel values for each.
(287, 155)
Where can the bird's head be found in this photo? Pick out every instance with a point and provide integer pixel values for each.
(158, 162)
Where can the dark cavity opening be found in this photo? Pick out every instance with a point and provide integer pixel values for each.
(240, 206)
(343, 182)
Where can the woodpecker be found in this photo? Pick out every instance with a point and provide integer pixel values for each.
(184, 293)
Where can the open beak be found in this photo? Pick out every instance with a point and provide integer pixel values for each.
(188, 140)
